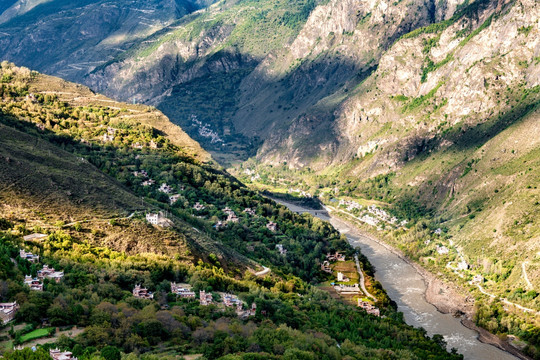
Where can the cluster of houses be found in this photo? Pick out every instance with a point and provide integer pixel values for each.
(36, 284)
(350, 205)
(232, 217)
(142, 293)
(158, 219)
(204, 130)
(8, 311)
(369, 308)
(383, 215)
(254, 175)
(57, 354)
(300, 192)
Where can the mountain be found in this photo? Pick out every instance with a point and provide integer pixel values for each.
(427, 110)
(69, 38)
(84, 170)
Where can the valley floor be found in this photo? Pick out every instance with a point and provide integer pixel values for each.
(447, 299)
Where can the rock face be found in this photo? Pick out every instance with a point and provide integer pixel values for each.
(319, 82)
(71, 38)
(461, 75)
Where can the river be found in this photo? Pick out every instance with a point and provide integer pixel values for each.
(406, 287)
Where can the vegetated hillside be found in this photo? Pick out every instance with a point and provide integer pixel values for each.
(55, 156)
(445, 135)
(70, 38)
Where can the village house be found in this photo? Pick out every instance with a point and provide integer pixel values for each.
(253, 309)
(8, 311)
(198, 206)
(182, 291)
(249, 211)
(442, 250)
(477, 279)
(174, 198)
(342, 278)
(335, 257)
(369, 220)
(142, 293)
(56, 354)
(231, 300)
(346, 289)
(204, 298)
(281, 249)
(31, 97)
(272, 226)
(326, 267)
(369, 308)
(232, 218)
(50, 273)
(438, 231)
(29, 256)
(34, 237)
(33, 283)
(141, 173)
(219, 225)
(228, 211)
(137, 145)
(148, 182)
(164, 188)
(109, 135)
(462, 265)
(158, 219)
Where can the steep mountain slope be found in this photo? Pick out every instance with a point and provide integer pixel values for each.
(74, 164)
(70, 38)
(271, 63)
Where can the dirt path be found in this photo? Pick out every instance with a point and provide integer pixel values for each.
(362, 279)
(263, 272)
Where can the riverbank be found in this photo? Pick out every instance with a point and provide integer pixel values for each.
(446, 298)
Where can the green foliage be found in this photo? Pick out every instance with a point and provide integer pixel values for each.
(27, 354)
(430, 66)
(111, 353)
(421, 100)
(525, 30)
(484, 25)
(465, 10)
